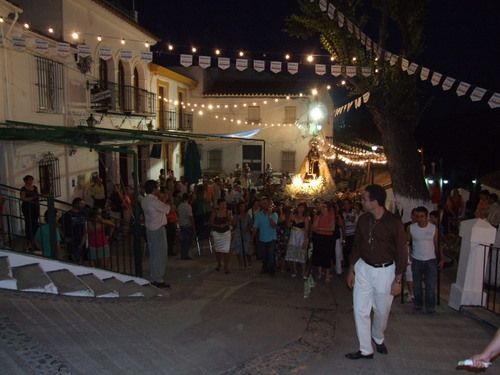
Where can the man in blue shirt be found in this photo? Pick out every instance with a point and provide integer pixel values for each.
(265, 221)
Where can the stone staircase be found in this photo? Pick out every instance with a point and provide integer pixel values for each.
(30, 273)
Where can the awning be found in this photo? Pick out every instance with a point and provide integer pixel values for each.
(247, 134)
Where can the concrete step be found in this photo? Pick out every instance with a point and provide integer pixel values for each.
(100, 288)
(6, 279)
(68, 284)
(31, 278)
(152, 291)
(128, 289)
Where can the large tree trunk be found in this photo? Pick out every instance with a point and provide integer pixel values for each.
(403, 161)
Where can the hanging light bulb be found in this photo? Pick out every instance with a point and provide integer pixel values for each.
(123, 41)
(146, 44)
(287, 56)
(217, 51)
(74, 35)
(1, 19)
(241, 54)
(310, 58)
(99, 38)
(50, 30)
(194, 49)
(26, 26)
(170, 47)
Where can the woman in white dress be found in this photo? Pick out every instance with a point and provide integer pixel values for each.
(220, 221)
(296, 251)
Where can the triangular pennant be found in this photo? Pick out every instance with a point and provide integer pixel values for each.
(293, 67)
(362, 38)
(259, 65)
(275, 66)
(322, 5)
(320, 69)
(186, 60)
(223, 63)
(83, 50)
(331, 11)
(336, 70)
(366, 96)
(494, 101)
(448, 82)
(477, 94)
(63, 48)
(357, 102)
(462, 88)
(424, 73)
(106, 53)
(350, 26)
(41, 46)
(349, 105)
(350, 71)
(368, 44)
(356, 32)
(387, 56)
(412, 68)
(394, 59)
(204, 61)
(436, 78)
(404, 64)
(241, 64)
(340, 16)
(146, 56)
(366, 71)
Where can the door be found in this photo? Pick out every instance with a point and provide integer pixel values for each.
(252, 155)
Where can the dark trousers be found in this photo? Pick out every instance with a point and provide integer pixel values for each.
(171, 229)
(267, 250)
(424, 272)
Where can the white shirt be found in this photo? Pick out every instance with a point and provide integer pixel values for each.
(155, 212)
(422, 240)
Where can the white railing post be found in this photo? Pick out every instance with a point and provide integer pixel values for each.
(468, 288)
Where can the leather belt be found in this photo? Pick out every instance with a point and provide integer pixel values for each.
(380, 265)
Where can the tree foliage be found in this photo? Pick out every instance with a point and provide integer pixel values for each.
(393, 100)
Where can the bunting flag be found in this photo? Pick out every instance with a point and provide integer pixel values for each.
(412, 69)
(322, 5)
(293, 67)
(404, 64)
(126, 54)
(368, 44)
(331, 11)
(350, 71)
(259, 65)
(366, 96)
(349, 105)
(320, 69)
(336, 70)
(448, 82)
(18, 44)
(477, 94)
(357, 103)
(350, 26)
(223, 63)
(424, 73)
(494, 101)
(204, 61)
(462, 88)
(387, 56)
(146, 56)
(186, 60)
(394, 59)
(356, 32)
(84, 50)
(340, 17)
(106, 53)
(365, 71)
(241, 64)
(362, 38)
(41, 46)
(63, 48)
(275, 66)
(436, 78)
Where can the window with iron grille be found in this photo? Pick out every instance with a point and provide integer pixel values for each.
(288, 161)
(253, 113)
(50, 179)
(215, 159)
(290, 115)
(49, 82)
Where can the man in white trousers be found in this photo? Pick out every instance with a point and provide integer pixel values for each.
(378, 260)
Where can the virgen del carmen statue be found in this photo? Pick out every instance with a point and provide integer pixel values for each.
(313, 180)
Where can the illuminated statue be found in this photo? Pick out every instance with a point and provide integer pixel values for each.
(315, 167)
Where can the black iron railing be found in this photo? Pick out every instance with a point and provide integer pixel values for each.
(173, 120)
(491, 279)
(69, 236)
(112, 97)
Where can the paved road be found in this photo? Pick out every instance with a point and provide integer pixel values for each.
(213, 323)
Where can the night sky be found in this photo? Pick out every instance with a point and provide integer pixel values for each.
(461, 41)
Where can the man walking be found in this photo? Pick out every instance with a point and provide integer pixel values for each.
(155, 219)
(423, 237)
(265, 222)
(377, 263)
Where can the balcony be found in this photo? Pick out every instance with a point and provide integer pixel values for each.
(115, 98)
(173, 120)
